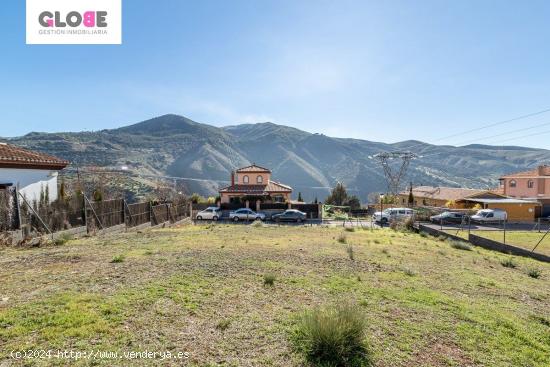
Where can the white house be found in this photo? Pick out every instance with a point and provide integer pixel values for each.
(30, 172)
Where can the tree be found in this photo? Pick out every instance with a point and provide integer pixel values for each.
(411, 196)
(98, 195)
(300, 197)
(316, 201)
(338, 196)
(62, 190)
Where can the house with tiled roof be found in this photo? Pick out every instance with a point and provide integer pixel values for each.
(254, 183)
(533, 184)
(461, 198)
(32, 173)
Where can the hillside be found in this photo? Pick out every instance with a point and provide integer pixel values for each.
(203, 154)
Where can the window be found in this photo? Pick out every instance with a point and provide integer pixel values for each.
(245, 179)
(259, 179)
(530, 184)
(513, 183)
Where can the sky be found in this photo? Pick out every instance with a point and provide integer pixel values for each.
(377, 70)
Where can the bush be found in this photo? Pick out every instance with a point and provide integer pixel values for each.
(269, 279)
(423, 234)
(508, 263)
(534, 273)
(350, 229)
(460, 245)
(257, 223)
(342, 238)
(333, 336)
(63, 239)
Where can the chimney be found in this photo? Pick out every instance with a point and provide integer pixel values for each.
(541, 170)
(232, 178)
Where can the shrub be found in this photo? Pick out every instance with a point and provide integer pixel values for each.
(534, 273)
(508, 263)
(223, 324)
(423, 234)
(333, 336)
(409, 272)
(342, 238)
(460, 245)
(257, 223)
(63, 239)
(269, 279)
(350, 229)
(350, 252)
(118, 259)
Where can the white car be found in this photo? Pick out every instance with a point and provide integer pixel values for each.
(245, 214)
(211, 213)
(489, 215)
(393, 214)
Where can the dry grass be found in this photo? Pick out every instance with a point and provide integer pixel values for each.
(199, 289)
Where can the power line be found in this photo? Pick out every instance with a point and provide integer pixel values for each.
(505, 133)
(485, 127)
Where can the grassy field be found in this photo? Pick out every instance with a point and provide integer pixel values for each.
(200, 290)
(523, 239)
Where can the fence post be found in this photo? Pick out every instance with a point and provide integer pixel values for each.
(504, 225)
(85, 214)
(124, 212)
(18, 208)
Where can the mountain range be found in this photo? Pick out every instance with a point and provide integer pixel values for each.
(204, 155)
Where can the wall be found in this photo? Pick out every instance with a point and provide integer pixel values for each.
(419, 201)
(540, 186)
(517, 212)
(252, 178)
(31, 181)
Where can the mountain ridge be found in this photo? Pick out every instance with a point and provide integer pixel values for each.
(174, 145)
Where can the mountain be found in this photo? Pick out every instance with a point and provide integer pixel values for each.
(204, 155)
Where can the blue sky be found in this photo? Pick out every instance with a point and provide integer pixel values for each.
(377, 70)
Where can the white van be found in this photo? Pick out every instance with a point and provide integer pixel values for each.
(393, 214)
(489, 215)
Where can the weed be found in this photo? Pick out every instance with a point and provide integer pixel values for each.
(409, 272)
(63, 239)
(508, 263)
(460, 245)
(222, 325)
(534, 273)
(342, 238)
(349, 250)
(386, 251)
(333, 336)
(118, 259)
(257, 224)
(377, 241)
(423, 234)
(269, 279)
(350, 229)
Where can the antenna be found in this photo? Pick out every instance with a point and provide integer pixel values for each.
(394, 178)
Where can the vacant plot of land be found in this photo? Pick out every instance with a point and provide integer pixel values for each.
(524, 239)
(200, 290)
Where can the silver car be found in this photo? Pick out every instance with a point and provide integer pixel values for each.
(211, 213)
(245, 214)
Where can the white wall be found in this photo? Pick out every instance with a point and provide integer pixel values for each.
(31, 181)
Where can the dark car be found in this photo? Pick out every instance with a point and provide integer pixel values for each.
(290, 215)
(448, 217)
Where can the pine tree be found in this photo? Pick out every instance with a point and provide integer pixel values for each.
(338, 196)
(411, 196)
(300, 197)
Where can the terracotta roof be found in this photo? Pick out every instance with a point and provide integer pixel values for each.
(536, 172)
(442, 193)
(272, 186)
(16, 157)
(253, 168)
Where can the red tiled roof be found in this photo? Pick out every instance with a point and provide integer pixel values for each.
(272, 186)
(253, 168)
(16, 157)
(545, 170)
(442, 193)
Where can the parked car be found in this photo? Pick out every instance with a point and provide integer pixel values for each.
(210, 213)
(290, 215)
(489, 216)
(393, 214)
(448, 217)
(245, 214)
